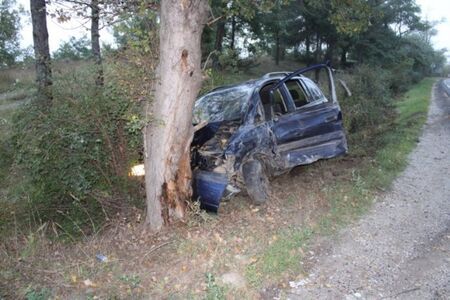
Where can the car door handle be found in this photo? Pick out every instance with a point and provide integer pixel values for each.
(330, 119)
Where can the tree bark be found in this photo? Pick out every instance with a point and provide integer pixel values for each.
(277, 48)
(95, 42)
(344, 51)
(41, 52)
(308, 48)
(167, 140)
(318, 51)
(233, 31)
(329, 55)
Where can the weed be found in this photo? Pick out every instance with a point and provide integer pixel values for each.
(132, 280)
(282, 254)
(37, 294)
(198, 216)
(213, 290)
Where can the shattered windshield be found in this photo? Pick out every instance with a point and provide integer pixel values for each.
(223, 105)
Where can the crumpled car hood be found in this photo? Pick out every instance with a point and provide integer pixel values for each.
(209, 143)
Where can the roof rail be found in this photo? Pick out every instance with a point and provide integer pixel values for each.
(276, 74)
(298, 73)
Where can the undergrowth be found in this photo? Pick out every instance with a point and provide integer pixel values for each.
(74, 159)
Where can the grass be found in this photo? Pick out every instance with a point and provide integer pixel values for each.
(281, 255)
(6, 154)
(349, 200)
(16, 78)
(412, 111)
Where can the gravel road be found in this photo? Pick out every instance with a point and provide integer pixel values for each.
(401, 248)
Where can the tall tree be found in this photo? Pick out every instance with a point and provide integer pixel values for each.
(167, 140)
(41, 51)
(88, 9)
(95, 41)
(9, 32)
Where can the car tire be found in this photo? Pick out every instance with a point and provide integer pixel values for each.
(256, 181)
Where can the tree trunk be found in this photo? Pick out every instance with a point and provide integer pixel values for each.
(316, 57)
(282, 52)
(330, 51)
(167, 140)
(344, 51)
(233, 31)
(318, 48)
(41, 52)
(308, 48)
(220, 34)
(277, 48)
(95, 42)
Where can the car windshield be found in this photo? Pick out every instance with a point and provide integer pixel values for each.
(223, 105)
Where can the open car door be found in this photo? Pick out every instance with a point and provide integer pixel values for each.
(310, 128)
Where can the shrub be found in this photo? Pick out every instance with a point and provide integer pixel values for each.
(368, 108)
(76, 157)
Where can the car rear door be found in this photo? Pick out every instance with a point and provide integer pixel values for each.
(312, 129)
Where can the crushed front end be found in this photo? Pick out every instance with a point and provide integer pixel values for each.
(213, 171)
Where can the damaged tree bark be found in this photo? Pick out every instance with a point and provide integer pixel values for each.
(167, 140)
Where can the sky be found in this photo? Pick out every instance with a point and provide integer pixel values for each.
(432, 10)
(57, 32)
(438, 10)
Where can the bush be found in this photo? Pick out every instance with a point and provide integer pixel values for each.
(368, 109)
(76, 157)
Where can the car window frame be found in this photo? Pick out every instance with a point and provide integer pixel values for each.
(302, 87)
(308, 95)
(299, 72)
(287, 102)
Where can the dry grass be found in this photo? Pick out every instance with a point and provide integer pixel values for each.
(10, 79)
(242, 238)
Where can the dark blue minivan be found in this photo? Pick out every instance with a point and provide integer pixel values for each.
(249, 132)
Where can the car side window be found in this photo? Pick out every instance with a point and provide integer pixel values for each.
(279, 105)
(297, 93)
(313, 90)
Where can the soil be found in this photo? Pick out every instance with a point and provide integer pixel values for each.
(401, 248)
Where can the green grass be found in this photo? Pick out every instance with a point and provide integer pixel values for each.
(412, 111)
(6, 154)
(281, 256)
(349, 200)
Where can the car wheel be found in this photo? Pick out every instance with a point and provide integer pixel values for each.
(256, 181)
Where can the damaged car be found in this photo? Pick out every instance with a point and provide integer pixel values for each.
(250, 132)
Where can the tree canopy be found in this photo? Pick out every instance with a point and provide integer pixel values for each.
(9, 32)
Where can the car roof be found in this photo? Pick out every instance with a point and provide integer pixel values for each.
(279, 77)
(255, 83)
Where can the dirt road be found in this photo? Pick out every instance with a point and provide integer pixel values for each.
(401, 249)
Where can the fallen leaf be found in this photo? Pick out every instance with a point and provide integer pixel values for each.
(89, 283)
(73, 278)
